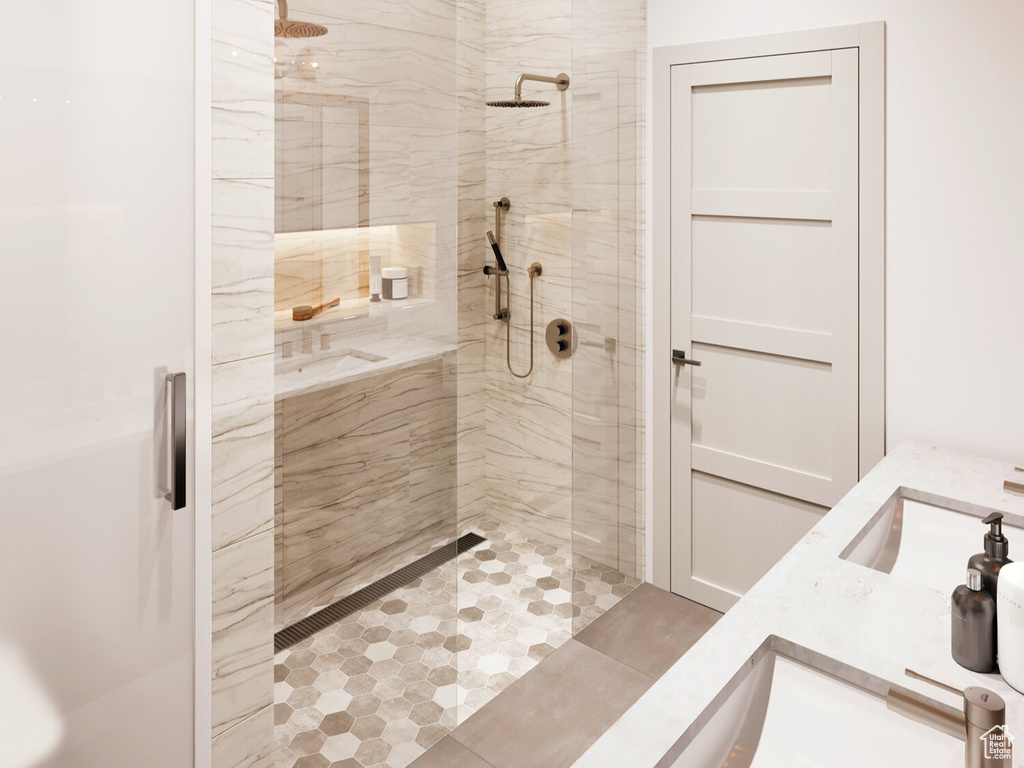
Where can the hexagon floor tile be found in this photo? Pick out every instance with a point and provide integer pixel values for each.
(379, 687)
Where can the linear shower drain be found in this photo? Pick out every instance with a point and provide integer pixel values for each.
(335, 612)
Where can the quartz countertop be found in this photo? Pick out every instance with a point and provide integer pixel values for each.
(879, 623)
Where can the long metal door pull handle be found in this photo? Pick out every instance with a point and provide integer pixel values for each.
(176, 434)
(679, 358)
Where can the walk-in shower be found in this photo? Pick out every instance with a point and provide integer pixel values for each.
(561, 80)
(441, 524)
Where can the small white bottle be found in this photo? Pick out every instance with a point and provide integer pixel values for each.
(1010, 620)
(375, 280)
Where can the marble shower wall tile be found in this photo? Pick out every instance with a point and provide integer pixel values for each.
(366, 405)
(336, 490)
(473, 253)
(406, 77)
(242, 419)
(607, 286)
(243, 621)
(243, 450)
(243, 95)
(333, 573)
(369, 475)
(243, 268)
(298, 269)
(430, 17)
(249, 744)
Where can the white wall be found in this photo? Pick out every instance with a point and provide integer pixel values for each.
(954, 208)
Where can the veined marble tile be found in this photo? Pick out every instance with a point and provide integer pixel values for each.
(472, 436)
(243, 620)
(243, 277)
(530, 196)
(243, 449)
(543, 512)
(298, 171)
(337, 489)
(355, 563)
(408, 77)
(298, 270)
(546, 238)
(595, 444)
(530, 144)
(242, 91)
(415, 247)
(249, 744)
(550, 384)
(365, 406)
(472, 157)
(430, 17)
(613, 26)
(433, 457)
(278, 499)
(528, 36)
(535, 442)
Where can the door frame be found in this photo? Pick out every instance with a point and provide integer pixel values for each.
(869, 38)
(202, 502)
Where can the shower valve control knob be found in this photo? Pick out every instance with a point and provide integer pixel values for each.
(560, 337)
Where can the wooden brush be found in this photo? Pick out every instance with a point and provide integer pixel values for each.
(305, 312)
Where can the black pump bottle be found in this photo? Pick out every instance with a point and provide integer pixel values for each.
(997, 547)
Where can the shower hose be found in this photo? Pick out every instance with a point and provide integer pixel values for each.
(533, 271)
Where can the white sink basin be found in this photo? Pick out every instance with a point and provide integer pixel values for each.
(789, 707)
(343, 363)
(927, 539)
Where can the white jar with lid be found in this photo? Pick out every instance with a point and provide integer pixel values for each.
(1010, 623)
(396, 282)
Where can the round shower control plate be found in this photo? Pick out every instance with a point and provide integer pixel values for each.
(560, 337)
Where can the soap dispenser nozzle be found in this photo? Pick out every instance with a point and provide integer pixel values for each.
(996, 545)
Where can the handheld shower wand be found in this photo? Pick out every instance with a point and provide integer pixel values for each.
(497, 252)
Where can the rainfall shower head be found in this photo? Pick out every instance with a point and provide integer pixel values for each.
(562, 81)
(283, 27)
(521, 103)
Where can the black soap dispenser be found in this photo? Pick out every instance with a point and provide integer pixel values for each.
(973, 617)
(997, 547)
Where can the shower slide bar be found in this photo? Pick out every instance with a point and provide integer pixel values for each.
(504, 314)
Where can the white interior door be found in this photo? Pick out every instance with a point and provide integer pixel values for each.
(764, 262)
(97, 208)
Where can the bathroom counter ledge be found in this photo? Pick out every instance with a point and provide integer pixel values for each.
(879, 623)
(351, 360)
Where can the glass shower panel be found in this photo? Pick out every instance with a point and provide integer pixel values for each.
(515, 437)
(607, 270)
(97, 305)
(366, 407)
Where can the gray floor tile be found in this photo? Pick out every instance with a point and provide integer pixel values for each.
(649, 629)
(448, 753)
(548, 718)
(380, 686)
